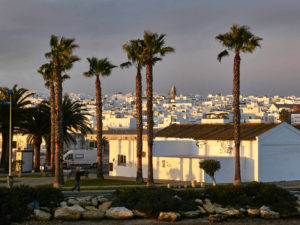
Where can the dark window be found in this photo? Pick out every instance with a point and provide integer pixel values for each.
(163, 163)
(121, 160)
(79, 156)
(110, 167)
(69, 157)
(143, 154)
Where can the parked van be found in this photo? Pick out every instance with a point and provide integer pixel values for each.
(73, 158)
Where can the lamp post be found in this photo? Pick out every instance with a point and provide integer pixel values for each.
(10, 177)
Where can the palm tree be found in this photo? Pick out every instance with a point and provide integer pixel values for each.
(154, 46)
(134, 51)
(48, 73)
(239, 39)
(61, 55)
(99, 67)
(19, 103)
(36, 125)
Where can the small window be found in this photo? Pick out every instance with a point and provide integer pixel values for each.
(110, 167)
(144, 154)
(79, 156)
(163, 163)
(121, 160)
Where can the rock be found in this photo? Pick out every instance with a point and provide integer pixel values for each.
(101, 199)
(90, 207)
(198, 201)
(63, 204)
(77, 208)
(219, 209)
(177, 197)
(216, 218)
(208, 206)
(190, 214)
(83, 201)
(119, 213)
(45, 209)
(169, 216)
(94, 201)
(138, 213)
(232, 213)
(104, 206)
(67, 214)
(202, 210)
(86, 198)
(298, 208)
(267, 213)
(93, 214)
(253, 212)
(41, 215)
(72, 201)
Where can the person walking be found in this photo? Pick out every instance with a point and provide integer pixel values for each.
(77, 179)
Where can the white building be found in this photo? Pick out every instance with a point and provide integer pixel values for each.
(269, 152)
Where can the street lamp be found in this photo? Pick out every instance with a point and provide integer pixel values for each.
(10, 177)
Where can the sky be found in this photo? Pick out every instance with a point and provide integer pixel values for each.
(101, 27)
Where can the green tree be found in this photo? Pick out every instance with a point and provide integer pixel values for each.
(238, 40)
(36, 125)
(20, 102)
(61, 54)
(134, 50)
(285, 116)
(210, 166)
(154, 49)
(99, 67)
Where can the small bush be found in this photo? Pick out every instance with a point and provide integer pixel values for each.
(190, 194)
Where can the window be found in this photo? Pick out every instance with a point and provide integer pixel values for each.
(69, 157)
(143, 154)
(79, 156)
(121, 160)
(163, 163)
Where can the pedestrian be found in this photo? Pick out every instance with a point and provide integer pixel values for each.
(77, 179)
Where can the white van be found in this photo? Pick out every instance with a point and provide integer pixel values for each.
(73, 158)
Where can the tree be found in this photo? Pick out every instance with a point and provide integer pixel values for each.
(61, 55)
(36, 125)
(19, 103)
(154, 45)
(210, 166)
(239, 39)
(285, 116)
(134, 50)
(99, 67)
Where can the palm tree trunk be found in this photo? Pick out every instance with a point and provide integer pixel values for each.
(236, 116)
(4, 153)
(99, 129)
(48, 150)
(52, 132)
(139, 127)
(58, 180)
(36, 148)
(150, 121)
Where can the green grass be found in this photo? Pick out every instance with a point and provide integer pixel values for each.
(5, 181)
(97, 182)
(29, 175)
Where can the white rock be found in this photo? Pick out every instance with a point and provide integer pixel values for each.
(119, 213)
(202, 210)
(72, 201)
(83, 201)
(92, 214)
(219, 209)
(77, 208)
(266, 212)
(104, 206)
(208, 206)
(190, 214)
(169, 216)
(41, 215)
(253, 212)
(198, 201)
(101, 199)
(63, 204)
(90, 207)
(94, 201)
(67, 214)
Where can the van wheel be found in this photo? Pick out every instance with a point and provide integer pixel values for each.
(94, 165)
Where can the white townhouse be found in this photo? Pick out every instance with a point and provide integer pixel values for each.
(269, 152)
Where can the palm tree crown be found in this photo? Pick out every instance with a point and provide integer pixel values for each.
(99, 67)
(134, 50)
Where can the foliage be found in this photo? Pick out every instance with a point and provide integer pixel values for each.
(285, 116)
(190, 194)
(152, 200)
(210, 166)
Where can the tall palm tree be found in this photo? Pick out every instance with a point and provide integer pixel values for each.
(238, 39)
(48, 73)
(134, 50)
(36, 125)
(61, 50)
(20, 102)
(99, 67)
(154, 47)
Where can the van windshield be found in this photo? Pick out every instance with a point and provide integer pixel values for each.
(69, 157)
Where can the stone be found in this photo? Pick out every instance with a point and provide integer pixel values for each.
(83, 201)
(66, 214)
(298, 208)
(102, 199)
(77, 208)
(72, 201)
(138, 213)
(119, 213)
(93, 214)
(94, 201)
(202, 210)
(298, 202)
(41, 215)
(253, 212)
(104, 206)
(216, 218)
(169, 216)
(267, 213)
(177, 197)
(219, 209)
(45, 209)
(86, 198)
(232, 213)
(198, 201)
(90, 207)
(190, 214)
(208, 206)
(63, 204)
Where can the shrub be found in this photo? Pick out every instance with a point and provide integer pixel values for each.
(190, 194)
(210, 166)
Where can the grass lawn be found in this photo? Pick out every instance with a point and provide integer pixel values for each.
(29, 175)
(5, 181)
(97, 182)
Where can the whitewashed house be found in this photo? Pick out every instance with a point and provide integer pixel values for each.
(269, 152)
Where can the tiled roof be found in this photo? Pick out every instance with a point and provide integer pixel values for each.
(214, 131)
